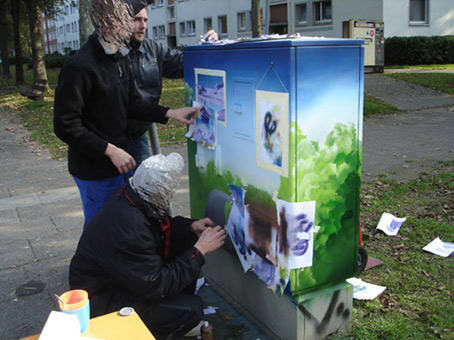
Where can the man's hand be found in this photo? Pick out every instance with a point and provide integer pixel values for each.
(210, 35)
(122, 160)
(184, 114)
(200, 225)
(210, 240)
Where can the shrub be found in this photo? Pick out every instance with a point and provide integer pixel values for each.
(419, 50)
(55, 60)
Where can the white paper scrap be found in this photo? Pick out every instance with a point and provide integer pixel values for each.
(61, 325)
(363, 290)
(210, 310)
(390, 224)
(199, 284)
(191, 128)
(438, 247)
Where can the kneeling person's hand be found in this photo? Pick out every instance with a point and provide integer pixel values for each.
(211, 239)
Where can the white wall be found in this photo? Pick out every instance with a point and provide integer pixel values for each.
(396, 17)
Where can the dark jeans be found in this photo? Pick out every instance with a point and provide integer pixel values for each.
(139, 148)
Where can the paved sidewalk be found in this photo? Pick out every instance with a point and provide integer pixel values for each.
(41, 217)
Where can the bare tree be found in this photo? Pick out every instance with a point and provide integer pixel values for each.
(256, 19)
(15, 9)
(34, 23)
(4, 40)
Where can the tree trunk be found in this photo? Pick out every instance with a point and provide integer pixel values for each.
(34, 23)
(256, 19)
(15, 8)
(85, 26)
(4, 40)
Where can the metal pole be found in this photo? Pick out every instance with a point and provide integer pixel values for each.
(156, 149)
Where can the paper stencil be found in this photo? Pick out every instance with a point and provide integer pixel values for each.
(272, 130)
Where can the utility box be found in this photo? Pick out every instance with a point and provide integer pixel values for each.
(275, 157)
(372, 32)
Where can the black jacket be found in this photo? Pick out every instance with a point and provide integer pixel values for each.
(121, 255)
(150, 61)
(94, 97)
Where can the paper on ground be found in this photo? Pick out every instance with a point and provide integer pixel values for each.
(61, 325)
(199, 284)
(438, 247)
(363, 290)
(210, 310)
(390, 224)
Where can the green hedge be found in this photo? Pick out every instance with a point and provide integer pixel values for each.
(55, 60)
(419, 50)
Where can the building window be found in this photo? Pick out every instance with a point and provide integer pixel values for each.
(418, 12)
(301, 14)
(222, 22)
(182, 29)
(159, 3)
(68, 28)
(171, 11)
(161, 31)
(191, 27)
(322, 12)
(242, 22)
(207, 24)
(155, 32)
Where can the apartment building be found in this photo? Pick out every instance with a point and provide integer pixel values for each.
(182, 22)
(62, 29)
(49, 34)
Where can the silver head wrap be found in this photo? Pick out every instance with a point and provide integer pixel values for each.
(113, 20)
(156, 179)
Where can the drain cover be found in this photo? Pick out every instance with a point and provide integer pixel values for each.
(30, 288)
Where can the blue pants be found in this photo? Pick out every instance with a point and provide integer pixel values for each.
(94, 193)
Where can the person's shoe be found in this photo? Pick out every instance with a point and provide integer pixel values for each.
(196, 330)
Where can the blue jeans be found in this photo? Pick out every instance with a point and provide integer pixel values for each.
(139, 148)
(94, 193)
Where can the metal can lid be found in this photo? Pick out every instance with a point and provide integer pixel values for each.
(125, 311)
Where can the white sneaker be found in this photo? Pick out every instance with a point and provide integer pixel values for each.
(196, 330)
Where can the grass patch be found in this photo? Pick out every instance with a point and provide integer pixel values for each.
(37, 118)
(375, 106)
(418, 302)
(443, 82)
(422, 67)
(172, 96)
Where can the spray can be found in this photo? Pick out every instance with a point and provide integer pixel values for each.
(207, 331)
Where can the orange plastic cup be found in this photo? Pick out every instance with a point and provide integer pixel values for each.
(76, 302)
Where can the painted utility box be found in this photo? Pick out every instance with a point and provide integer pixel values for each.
(275, 155)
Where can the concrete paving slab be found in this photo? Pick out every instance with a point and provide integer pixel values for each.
(25, 316)
(404, 96)
(9, 280)
(15, 253)
(405, 144)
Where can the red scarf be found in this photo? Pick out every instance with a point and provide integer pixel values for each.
(165, 227)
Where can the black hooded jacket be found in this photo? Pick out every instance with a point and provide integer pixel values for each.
(121, 256)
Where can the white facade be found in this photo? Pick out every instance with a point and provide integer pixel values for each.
(182, 22)
(67, 26)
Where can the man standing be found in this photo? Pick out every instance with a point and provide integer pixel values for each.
(133, 254)
(94, 97)
(151, 61)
